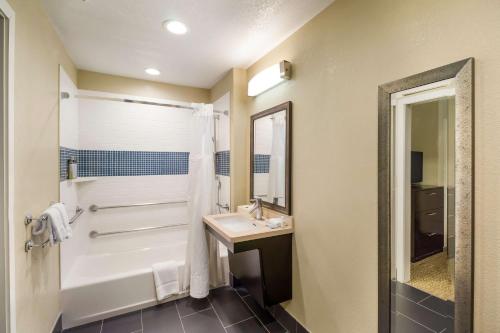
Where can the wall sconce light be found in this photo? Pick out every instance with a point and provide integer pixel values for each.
(269, 78)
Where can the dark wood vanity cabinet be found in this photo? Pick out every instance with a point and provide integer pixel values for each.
(264, 268)
(427, 221)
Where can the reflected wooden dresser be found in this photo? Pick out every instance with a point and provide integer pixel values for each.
(427, 221)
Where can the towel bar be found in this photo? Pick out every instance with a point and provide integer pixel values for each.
(28, 219)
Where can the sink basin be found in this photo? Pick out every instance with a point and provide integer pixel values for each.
(233, 228)
(237, 223)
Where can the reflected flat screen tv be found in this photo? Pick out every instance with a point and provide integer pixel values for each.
(417, 165)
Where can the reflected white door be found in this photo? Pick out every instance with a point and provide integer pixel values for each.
(401, 192)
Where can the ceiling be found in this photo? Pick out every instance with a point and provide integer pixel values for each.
(123, 37)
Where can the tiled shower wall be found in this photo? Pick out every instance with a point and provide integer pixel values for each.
(222, 155)
(68, 140)
(139, 153)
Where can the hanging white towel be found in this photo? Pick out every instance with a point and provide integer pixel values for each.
(55, 224)
(65, 219)
(166, 276)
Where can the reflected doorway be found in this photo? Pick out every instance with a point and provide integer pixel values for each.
(423, 224)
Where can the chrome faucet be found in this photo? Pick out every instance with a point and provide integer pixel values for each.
(257, 208)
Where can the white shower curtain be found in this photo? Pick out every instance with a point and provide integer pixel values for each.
(203, 264)
(276, 180)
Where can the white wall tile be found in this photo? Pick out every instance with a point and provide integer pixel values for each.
(68, 137)
(68, 115)
(131, 190)
(109, 125)
(223, 135)
(223, 143)
(225, 190)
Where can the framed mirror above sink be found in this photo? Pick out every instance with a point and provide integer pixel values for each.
(270, 157)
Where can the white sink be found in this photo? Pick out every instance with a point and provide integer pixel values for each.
(238, 223)
(233, 228)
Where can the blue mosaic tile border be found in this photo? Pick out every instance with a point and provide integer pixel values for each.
(64, 156)
(98, 163)
(105, 163)
(222, 163)
(261, 163)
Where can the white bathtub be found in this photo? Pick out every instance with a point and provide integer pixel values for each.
(120, 280)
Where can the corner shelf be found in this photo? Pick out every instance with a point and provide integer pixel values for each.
(82, 179)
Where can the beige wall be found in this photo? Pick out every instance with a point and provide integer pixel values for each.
(124, 85)
(339, 59)
(425, 138)
(235, 81)
(38, 53)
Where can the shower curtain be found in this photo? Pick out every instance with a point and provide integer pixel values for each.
(276, 180)
(203, 266)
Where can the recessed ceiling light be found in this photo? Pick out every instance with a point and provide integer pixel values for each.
(175, 27)
(152, 71)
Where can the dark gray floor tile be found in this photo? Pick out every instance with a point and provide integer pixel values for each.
(87, 328)
(285, 319)
(275, 327)
(229, 306)
(444, 307)
(401, 324)
(421, 314)
(248, 326)
(161, 319)
(264, 315)
(191, 305)
(126, 323)
(449, 326)
(202, 322)
(409, 292)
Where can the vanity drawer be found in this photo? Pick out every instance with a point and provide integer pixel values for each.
(429, 199)
(430, 222)
(427, 245)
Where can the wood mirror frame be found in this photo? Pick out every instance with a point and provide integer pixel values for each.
(287, 107)
(463, 72)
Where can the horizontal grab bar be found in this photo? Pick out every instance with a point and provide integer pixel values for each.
(96, 234)
(95, 208)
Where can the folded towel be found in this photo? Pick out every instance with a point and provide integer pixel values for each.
(166, 278)
(65, 219)
(56, 225)
(276, 222)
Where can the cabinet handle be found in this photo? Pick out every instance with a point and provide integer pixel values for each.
(432, 234)
(431, 214)
(432, 193)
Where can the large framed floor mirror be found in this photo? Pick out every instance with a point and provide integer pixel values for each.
(426, 201)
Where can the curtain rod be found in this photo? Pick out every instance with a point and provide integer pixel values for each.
(66, 95)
